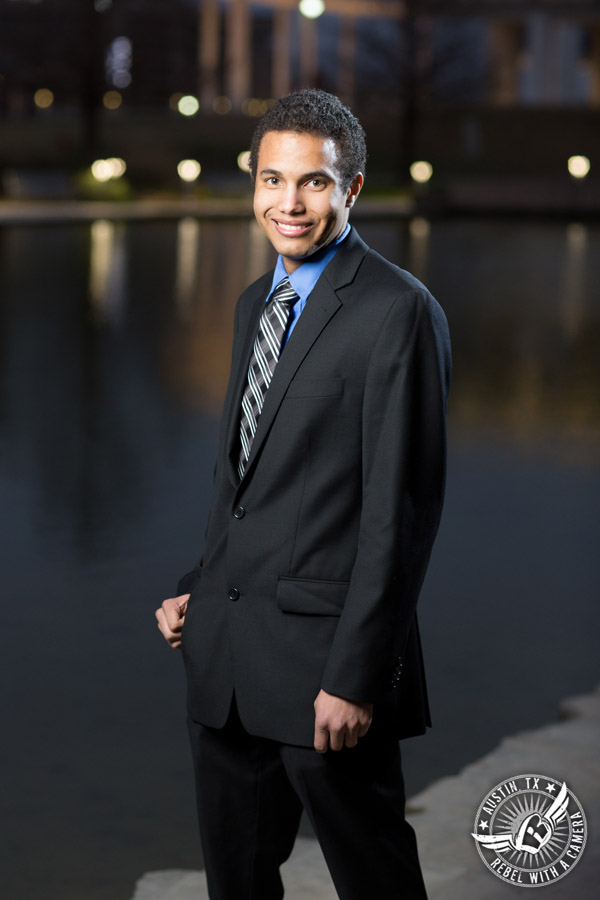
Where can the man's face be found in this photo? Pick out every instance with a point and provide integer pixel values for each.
(298, 198)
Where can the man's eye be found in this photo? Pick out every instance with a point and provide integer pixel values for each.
(272, 180)
(317, 182)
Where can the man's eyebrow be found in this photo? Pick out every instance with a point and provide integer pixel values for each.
(317, 174)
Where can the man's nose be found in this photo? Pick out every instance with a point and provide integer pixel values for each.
(290, 200)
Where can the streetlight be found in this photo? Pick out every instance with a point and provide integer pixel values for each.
(101, 170)
(112, 99)
(43, 98)
(243, 160)
(579, 166)
(189, 170)
(108, 169)
(222, 105)
(421, 171)
(188, 105)
(117, 165)
(311, 9)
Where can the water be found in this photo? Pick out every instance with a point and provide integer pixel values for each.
(114, 350)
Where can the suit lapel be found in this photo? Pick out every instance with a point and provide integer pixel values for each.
(321, 306)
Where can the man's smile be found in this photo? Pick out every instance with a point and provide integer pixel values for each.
(291, 229)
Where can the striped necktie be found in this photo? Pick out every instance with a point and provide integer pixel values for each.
(265, 356)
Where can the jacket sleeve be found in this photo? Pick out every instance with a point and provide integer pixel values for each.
(403, 478)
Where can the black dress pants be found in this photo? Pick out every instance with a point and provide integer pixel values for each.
(251, 792)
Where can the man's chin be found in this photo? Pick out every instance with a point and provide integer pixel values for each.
(302, 255)
(299, 254)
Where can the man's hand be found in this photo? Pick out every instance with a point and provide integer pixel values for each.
(339, 723)
(170, 618)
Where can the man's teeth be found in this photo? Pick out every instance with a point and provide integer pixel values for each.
(291, 227)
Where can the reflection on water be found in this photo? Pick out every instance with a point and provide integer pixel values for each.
(188, 250)
(574, 287)
(418, 249)
(526, 331)
(525, 326)
(114, 354)
(214, 264)
(107, 271)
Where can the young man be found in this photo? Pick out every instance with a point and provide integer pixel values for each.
(298, 626)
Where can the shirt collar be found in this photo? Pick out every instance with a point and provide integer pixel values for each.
(306, 276)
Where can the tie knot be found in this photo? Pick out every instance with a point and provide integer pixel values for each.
(284, 293)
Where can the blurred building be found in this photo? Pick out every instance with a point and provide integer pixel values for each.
(446, 79)
(498, 52)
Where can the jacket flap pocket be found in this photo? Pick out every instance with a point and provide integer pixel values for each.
(315, 598)
(316, 387)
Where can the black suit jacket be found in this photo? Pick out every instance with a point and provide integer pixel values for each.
(314, 561)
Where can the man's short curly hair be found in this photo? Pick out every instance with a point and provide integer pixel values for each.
(316, 112)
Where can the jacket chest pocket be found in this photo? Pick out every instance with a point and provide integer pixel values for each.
(315, 387)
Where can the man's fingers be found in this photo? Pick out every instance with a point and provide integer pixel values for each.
(336, 740)
(170, 630)
(163, 626)
(174, 642)
(338, 722)
(321, 738)
(170, 617)
(174, 610)
(351, 739)
(333, 737)
(362, 730)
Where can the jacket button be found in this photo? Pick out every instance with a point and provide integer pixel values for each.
(239, 513)
(234, 594)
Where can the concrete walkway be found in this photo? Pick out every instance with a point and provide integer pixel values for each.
(443, 817)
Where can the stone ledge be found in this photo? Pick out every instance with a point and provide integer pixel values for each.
(567, 750)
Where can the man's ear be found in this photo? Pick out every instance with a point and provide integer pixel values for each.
(354, 189)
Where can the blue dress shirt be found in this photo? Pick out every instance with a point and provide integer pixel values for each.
(304, 278)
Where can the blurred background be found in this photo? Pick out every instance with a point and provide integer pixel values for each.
(125, 239)
(496, 95)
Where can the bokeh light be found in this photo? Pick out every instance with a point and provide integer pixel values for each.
(419, 228)
(43, 98)
(117, 165)
(102, 170)
(189, 169)
(122, 79)
(421, 171)
(118, 62)
(243, 160)
(222, 105)
(108, 169)
(112, 100)
(252, 106)
(579, 166)
(312, 9)
(188, 105)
